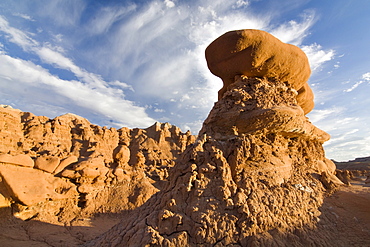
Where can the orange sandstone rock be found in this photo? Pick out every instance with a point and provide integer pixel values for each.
(257, 173)
(255, 176)
(29, 186)
(48, 164)
(255, 53)
(20, 160)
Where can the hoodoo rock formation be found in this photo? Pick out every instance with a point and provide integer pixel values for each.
(257, 173)
(256, 53)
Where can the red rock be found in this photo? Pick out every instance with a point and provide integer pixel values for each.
(255, 53)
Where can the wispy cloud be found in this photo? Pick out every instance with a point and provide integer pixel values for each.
(365, 78)
(348, 141)
(353, 87)
(293, 31)
(317, 56)
(16, 36)
(24, 16)
(91, 92)
(153, 54)
(107, 16)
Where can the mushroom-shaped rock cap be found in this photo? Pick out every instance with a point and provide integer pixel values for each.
(256, 53)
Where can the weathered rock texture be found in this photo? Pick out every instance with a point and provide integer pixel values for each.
(256, 175)
(59, 169)
(255, 53)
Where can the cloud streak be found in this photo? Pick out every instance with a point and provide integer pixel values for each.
(149, 57)
(91, 92)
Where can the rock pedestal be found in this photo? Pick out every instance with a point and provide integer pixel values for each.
(257, 174)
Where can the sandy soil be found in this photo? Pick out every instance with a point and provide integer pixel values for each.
(349, 211)
(345, 214)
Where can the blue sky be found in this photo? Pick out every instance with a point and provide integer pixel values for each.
(131, 63)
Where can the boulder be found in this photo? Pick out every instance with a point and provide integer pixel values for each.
(47, 163)
(64, 163)
(256, 53)
(20, 159)
(29, 186)
(121, 154)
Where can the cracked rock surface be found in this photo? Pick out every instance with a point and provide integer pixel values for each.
(242, 182)
(67, 174)
(256, 175)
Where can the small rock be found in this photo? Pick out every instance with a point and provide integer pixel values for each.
(20, 160)
(48, 163)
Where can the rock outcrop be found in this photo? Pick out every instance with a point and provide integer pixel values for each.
(257, 173)
(256, 53)
(63, 168)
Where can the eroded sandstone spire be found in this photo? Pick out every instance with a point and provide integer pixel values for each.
(255, 53)
(257, 174)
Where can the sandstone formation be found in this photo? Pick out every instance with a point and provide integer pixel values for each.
(257, 173)
(255, 53)
(259, 185)
(357, 170)
(59, 169)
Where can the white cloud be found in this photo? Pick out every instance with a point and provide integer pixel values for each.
(317, 56)
(156, 49)
(353, 87)
(16, 36)
(294, 32)
(169, 4)
(241, 3)
(107, 16)
(64, 13)
(159, 110)
(348, 141)
(24, 16)
(85, 93)
(317, 116)
(25, 75)
(366, 76)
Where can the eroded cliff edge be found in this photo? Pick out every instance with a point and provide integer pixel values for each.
(60, 169)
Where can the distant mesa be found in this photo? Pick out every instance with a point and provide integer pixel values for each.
(256, 53)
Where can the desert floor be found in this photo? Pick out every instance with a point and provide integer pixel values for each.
(346, 213)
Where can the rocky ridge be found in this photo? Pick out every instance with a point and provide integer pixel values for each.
(256, 175)
(257, 185)
(82, 168)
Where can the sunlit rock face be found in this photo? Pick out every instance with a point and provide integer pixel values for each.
(257, 173)
(256, 53)
(56, 170)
